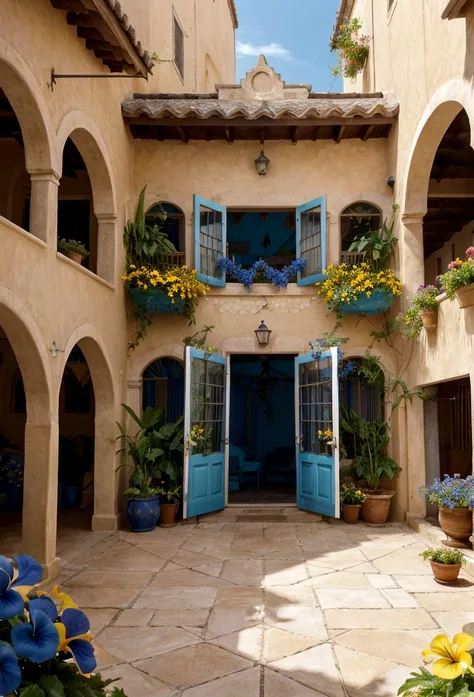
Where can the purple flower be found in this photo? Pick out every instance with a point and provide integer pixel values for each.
(470, 252)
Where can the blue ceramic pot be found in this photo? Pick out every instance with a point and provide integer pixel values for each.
(142, 513)
(157, 300)
(71, 496)
(379, 301)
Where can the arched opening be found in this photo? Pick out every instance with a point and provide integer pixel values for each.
(357, 219)
(449, 221)
(75, 446)
(77, 222)
(172, 221)
(163, 387)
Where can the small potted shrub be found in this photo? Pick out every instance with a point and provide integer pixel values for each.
(458, 281)
(445, 563)
(454, 497)
(142, 502)
(73, 249)
(169, 502)
(351, 500)
(371, 465)
(423, 312)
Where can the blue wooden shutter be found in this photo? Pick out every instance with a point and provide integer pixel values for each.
(311, 240)
(210, 225)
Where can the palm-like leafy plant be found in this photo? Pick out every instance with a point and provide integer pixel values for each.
(373, 462)
(378, 245)
(144, 243)
(143, 450)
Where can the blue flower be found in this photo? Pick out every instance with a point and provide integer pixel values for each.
(37, 640)
(10, 673)
(74, 637)
(13, 590)
(247, 276)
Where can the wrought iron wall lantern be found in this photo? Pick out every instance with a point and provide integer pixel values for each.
(263, 334)
(261, 163)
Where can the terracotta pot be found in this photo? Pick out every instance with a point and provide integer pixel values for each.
(465, 296)
(75, 257)
(351, 512)
(445, 573)
(168, 515)
(456, 523)
(376, 507)
(429, 319)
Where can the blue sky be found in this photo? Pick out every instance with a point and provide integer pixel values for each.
(293, 34)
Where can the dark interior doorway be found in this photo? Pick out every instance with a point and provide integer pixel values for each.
(262, 465)
(268, 235)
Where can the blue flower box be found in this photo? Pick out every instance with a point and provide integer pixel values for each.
(379, 301)
(157, 301)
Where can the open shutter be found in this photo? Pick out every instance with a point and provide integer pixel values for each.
(205, 407)
(311, 240)
(210, 224)
(317, 433)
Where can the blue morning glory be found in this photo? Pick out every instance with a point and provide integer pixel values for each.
(13, 590)
(10, 673)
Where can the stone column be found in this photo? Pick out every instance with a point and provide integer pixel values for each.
(105, 469)
(106, 239)
(411, 251)
(415, 444)
(135, 392)
(432, 467)
(40, 508)
(44, 206)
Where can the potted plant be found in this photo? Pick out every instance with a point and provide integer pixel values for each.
(351, 500)
(73, 249)
(142, 500)
(445, 563)
(422, 312)
(455, 500)
(169, 508)
(458, 281)
(352, 49)
(371, 465)
(45, 649)
(359, 289)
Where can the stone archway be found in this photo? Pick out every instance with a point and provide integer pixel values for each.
(105, 488)
(41, 431)
(81, 129)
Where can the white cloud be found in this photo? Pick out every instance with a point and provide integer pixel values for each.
(269, 50)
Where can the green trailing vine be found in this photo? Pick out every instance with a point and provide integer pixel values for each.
(352, 49)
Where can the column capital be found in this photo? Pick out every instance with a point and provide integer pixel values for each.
(46, 175)
(135, 384)
(413, 218)
(106, 217)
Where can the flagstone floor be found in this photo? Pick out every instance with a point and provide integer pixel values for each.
(262, 603)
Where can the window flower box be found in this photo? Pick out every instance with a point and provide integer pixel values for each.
(465, 296)
(157, 301)
(379, 301)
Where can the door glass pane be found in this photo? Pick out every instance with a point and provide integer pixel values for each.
(311, 241)
(316, 407)
(207, 405)
(210, 239)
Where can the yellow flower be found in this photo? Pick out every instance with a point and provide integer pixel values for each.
(454, 660)
(66, 601)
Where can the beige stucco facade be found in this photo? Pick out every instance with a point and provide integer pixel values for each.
(48, 303)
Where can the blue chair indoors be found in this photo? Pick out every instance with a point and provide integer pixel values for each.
(247, 467)
(235, 474)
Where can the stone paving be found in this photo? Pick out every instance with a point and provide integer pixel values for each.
(262, 603)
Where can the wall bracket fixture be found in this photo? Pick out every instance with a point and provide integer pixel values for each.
(62, 76)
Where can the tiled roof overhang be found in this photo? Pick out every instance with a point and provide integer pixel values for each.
(167, 116)
(107, 32)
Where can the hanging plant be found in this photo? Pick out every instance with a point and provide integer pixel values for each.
(280, 279)
(352, 49)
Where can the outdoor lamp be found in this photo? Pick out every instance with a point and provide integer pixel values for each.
(263, 334)
(261, 163)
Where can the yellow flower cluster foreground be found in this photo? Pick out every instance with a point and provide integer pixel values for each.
(178, 281)
(452, 657)
(346, 283)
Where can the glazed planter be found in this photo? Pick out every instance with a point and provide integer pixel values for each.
(75, 257)
(445, 573)
(376, 507)
(350, 512)
(465, 296)
(168, 515)
(456, 523)
(379, 301)
(157, 301)
(142, 513)
(71, 497)
(429, 319)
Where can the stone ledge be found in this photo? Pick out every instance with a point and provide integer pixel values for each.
(434, 534)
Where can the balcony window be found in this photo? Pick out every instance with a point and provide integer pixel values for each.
(357, 219)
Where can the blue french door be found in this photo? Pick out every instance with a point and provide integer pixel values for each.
(205, 410)
(317, 433)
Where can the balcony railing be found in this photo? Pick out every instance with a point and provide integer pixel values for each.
(167, 261)
(352, 258)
